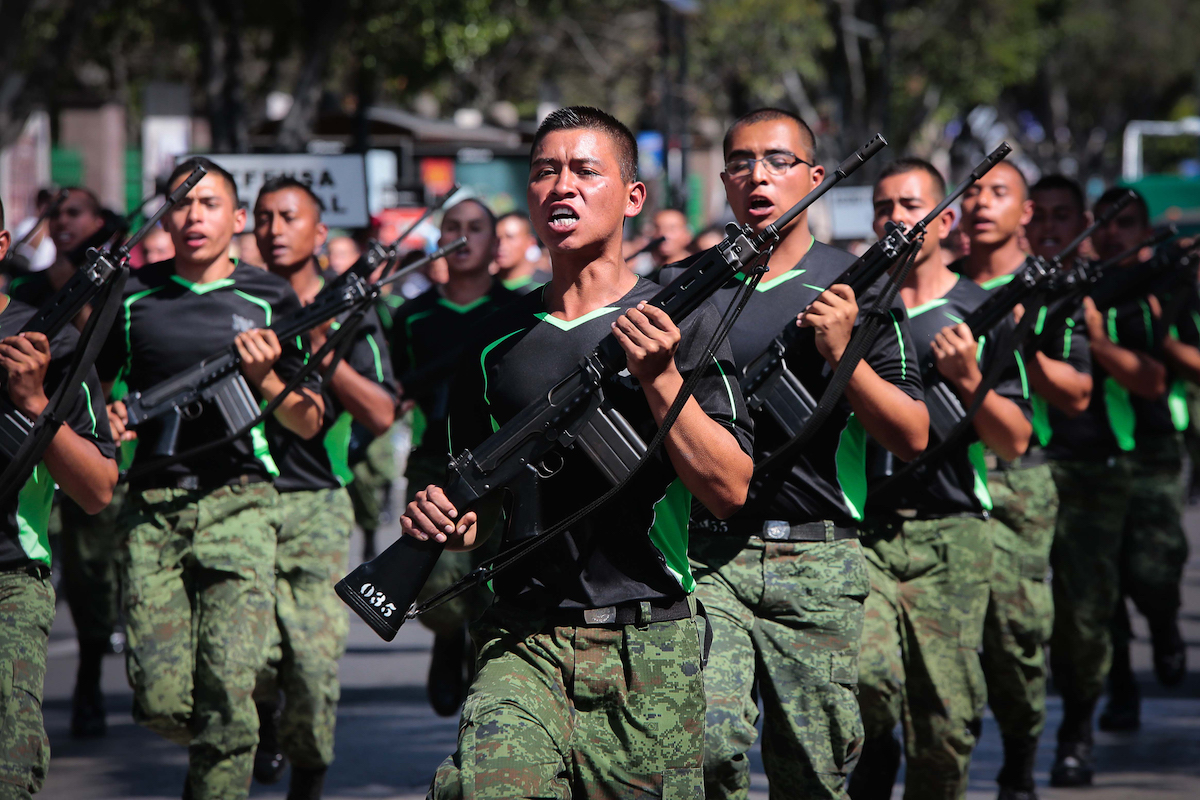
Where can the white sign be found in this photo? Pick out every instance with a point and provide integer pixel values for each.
(340, 181)
(851, 212)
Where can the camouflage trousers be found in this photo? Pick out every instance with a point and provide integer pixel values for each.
(311, 622)
(449, 618)
(574, 712)
(372, 476)
(26, 613)
(1119, 530)
(787, 620)
(919, 664)
(198, 596)
(90, 548)
(1020, 611)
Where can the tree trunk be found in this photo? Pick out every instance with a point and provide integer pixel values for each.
(324, 20)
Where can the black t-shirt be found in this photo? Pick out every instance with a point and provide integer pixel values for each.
(527, 284)
(634, 547)
(1070, 344)
(429, 336)
(828, 479)
(169, 324)
(322, 462)
(31, 288)
(1116, 418)
(957, 481)
(25, 520)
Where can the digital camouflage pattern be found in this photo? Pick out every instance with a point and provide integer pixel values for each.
(193, 674)
(372, 477)
(564, 712)
(787, 617)
(311, 622)
(919, 664)
(1119, 529)
(90, 547)
(1020, 611)
(26, 613)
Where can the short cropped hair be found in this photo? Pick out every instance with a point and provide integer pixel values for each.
(517, 215)
(910, 164)
(186, 166)
(587, 118)
(1116, 193)
(93, 202)
(771, 115)
(491, 215)
(1052, 183)
(1021, 179)
(281, 182)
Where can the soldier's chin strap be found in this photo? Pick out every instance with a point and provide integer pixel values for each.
(46, 426)
(487, 570)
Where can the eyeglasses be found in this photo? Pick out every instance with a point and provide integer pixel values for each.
(774, 164)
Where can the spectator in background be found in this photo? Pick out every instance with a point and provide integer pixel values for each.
(672, 226)
(707, 239)
(515, 244)
(955, 245)
(76, 220)
(158, 246)
(245, 249)
(38, 250)
(343, 252)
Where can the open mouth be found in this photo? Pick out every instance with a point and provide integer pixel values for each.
(761, 206)
(563, 220)
(193, 240)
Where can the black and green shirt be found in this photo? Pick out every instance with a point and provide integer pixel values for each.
(168, 324)
(429, 336)
(528, 283)
(24, 522)
(635, 547)
(1070, 344)
(322, 462)
(828, 480)
(956, 482)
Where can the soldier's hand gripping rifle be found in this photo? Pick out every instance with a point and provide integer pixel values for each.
(218, 379)
(768, 383)
(23, 441)
(1069, 286)
(1029, 287)
(574, 411)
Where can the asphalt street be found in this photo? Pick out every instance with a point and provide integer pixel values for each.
(389, 742)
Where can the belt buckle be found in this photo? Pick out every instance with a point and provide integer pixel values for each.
(600, 616)
(776, 529)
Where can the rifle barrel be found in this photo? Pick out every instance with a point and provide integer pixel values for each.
(981, 169)
(458, 243)
(1101, 219)
(172, 199)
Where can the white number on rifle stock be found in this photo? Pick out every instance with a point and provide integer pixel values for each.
(377, 599)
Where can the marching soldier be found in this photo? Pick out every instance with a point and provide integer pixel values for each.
(784, 580)
(314, 511)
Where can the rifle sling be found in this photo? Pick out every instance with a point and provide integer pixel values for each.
(344, 334)
(486, 571)
(856, 350)
(939, 450)
(92, 339)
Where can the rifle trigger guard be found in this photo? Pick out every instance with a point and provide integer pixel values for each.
(546, 468)
(191, 411)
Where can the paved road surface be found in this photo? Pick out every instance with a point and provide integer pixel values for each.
(389, 741)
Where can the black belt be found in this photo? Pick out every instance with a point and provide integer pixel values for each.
(778, 530)
(630, 613)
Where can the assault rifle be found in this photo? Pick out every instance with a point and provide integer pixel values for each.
(767, 381)
(574, 412)
(22, 440)
(217, 379)
(1070, 285)
(1030, 286)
